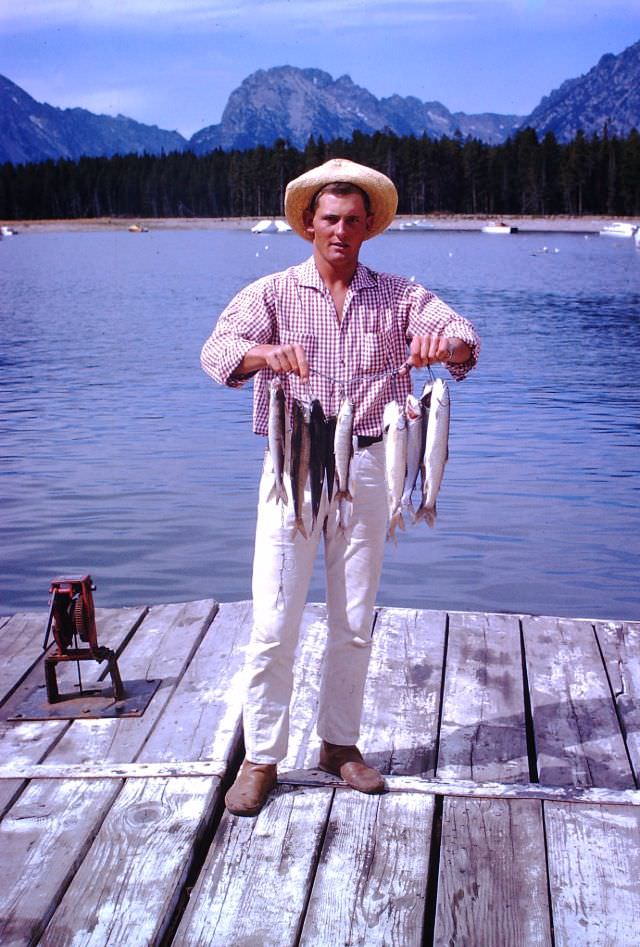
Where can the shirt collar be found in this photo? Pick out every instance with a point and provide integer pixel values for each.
(308, 275)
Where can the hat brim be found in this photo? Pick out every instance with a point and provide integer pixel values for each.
(381, 190)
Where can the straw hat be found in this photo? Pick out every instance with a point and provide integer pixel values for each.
(381, 190)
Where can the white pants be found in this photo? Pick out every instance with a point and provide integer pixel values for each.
(282, 569)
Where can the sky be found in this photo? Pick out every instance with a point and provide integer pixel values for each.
(174, 63)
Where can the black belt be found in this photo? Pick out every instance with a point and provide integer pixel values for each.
(364, 441)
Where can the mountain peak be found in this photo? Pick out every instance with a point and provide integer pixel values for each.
(295, 104)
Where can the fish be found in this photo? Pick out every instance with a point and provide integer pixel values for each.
(416, 433)
(329, 456)
(436, 450)
(300, 461)
(395, 455)
(318, 457)
(343, 449)
(277, 437)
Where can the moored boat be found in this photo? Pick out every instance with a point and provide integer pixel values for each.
(271, 226)
(416, 225)
(618, 229)
(500, 228)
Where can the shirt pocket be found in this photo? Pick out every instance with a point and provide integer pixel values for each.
(376, 353)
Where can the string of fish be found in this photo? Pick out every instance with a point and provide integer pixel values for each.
(321, 447)
(416, 443)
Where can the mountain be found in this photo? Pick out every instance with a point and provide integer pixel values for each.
(31, 131)
(291, 103)
(608, 94)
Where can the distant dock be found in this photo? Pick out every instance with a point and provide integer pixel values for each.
(511, 744)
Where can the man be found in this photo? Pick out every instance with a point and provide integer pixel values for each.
(329, 327)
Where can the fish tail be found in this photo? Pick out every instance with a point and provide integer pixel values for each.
(299, 527)
(278, 492)
(344, 495)
(426, 513)
(396, 520)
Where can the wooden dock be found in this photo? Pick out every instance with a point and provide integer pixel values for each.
(512, 745)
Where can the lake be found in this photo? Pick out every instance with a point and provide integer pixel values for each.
(122, 459)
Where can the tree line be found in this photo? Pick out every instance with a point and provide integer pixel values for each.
(524, 176)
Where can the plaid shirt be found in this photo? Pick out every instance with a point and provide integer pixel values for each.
(355, 357)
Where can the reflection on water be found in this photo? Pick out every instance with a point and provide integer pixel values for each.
(120, 457)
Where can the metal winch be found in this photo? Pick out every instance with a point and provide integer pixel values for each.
(72, 622)
(72, 619)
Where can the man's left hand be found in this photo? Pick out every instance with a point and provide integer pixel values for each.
(427, 349)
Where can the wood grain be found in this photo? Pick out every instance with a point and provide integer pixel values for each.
(620, 645)
(22, 637)
(483, 730)
(49, 854)
(594, 867)
(493, 886)
(127, 888)
(370, 887)
(492, 882)
(577, 733)
(402, 695)
(255, 882)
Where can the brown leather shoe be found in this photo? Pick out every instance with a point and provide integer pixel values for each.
(347, 763)
(253, 784)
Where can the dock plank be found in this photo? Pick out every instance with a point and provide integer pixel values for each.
(55, 846)
(594, 867)
(577, 734)
(161, 649)
(126, 890)
(22, 638)
(402, 694)
(104, 843)
(44, 838)
(201, 720)
(255, 882)
(492, 883)
(371, 883)
(483, 730)
(620, 645)
(22, 743)
(31, 741)
(304, 743)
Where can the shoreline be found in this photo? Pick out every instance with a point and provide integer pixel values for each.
(435, 222)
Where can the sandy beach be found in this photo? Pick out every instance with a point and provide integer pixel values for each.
(553, 224)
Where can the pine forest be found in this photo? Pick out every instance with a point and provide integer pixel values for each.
(598, 175)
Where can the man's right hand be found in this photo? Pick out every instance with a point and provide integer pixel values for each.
(282, 359)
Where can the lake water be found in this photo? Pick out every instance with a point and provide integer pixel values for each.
(122, 459)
